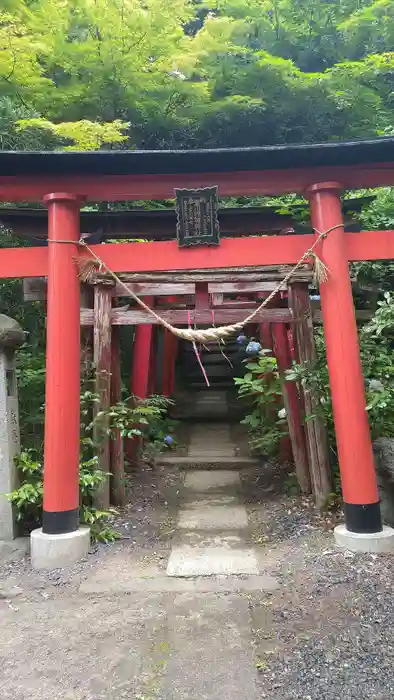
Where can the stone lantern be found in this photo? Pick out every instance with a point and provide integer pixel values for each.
(11, 337)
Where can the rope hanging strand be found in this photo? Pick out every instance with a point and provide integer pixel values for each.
(197, 354)
(87, 267)
(220, 341)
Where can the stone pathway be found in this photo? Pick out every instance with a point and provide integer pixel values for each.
(210, 403)
(210, 440)
(212, 531)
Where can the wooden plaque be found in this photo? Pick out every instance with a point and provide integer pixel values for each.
(197, 217)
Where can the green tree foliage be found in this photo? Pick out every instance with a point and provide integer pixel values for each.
(194, 72)
(369, 30)
(85, 135)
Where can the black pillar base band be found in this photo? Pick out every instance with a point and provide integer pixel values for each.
(60, 522)
(364, 519)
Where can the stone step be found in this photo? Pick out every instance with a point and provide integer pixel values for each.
(211, 454)
(210, 463)
(208, 358)
(217, 435)
(211, 442)
(203, 516)
(191, 416)
(217, 369)
(201, 430)
(209, 399)
(199, 385)
(212, 345)
(213, 558)
(213, 535)
(206, 482)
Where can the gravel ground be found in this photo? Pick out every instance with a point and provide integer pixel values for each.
(326, 633)
(146, 525)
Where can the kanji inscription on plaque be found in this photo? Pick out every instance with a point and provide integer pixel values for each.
(197, 217)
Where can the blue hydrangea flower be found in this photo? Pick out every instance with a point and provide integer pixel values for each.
(253, 348)
(168, 440)
(241, 339)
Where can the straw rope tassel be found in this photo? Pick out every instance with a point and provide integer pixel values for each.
(88, 267)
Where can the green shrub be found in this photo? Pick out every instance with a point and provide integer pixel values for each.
(28, 497)
(377, 356)
(140, 418)
(146, 419)
(261, 387)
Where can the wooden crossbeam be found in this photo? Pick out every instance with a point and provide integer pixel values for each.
(160, 224)
(180, 317)
(235, 252)
(362, 315)
(231, 184)
(35, 288)
(262, 274)
(223, 315)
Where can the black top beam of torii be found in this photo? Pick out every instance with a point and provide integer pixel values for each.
(160, 224)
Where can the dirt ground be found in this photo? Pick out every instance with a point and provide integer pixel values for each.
(115, 626)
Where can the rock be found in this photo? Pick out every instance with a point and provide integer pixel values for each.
(11, 334)
(383, 449)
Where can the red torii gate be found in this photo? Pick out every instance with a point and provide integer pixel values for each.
(64, 181)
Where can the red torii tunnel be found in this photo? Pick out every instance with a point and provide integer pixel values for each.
(64, 181)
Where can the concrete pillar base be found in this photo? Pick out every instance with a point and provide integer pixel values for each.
(57, 551)
(365, 542)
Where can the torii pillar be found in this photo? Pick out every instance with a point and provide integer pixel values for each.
(169, 356)
(60, 542)
(141, 379)
(363, 529)
(142, 352)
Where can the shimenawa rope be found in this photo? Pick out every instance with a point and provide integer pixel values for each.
(87, 268)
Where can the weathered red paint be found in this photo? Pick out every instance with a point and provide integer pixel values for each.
(142, 358)
(291, 344)
(202, 296)
(169, 356)
(141, 379)
(61, 458)
(170, 346)
(153, 363)
(265, 336)
(343, 356)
